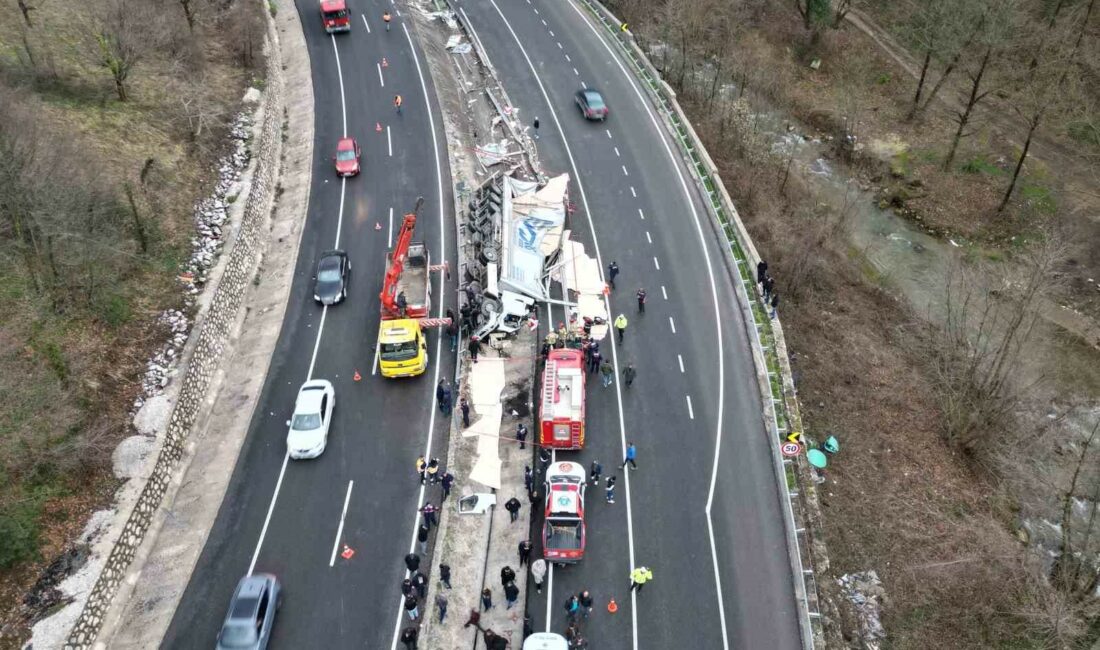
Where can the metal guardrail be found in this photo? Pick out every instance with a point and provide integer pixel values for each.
(785, 418)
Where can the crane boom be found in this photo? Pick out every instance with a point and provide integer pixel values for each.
(398, 257)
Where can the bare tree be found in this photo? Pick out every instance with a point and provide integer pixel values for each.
(26, 10)
(188, 7)
(121, 33)
(940, 31)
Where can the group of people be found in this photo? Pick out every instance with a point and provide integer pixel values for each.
(414, 589)
(767, 286)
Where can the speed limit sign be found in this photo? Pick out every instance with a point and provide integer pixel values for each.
(790, 448)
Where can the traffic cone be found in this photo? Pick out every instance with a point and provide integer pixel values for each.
(347, 553)
(377, 226)
(378, 127)
(384, 64)
(357, 376)
(612, 607)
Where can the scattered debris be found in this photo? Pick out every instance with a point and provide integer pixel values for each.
(867, 595)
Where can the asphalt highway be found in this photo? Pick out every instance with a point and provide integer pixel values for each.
(291, 518)
(723, 579)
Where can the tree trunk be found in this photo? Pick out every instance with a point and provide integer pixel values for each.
(187, 13)
(951, 64)
(920, 85)
(120, 88)
(26, 10)
(1034, 124)
(139, 226)
(971, 102)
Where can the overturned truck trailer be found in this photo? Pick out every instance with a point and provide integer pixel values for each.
(515, 229)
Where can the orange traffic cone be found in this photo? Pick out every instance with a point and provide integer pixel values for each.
(378, 127)
(612, 607)
(347, 553)
(357, 376)
(384, 64)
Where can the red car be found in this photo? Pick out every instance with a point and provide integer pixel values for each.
(563, 534)
(334, 14)
(347, 157)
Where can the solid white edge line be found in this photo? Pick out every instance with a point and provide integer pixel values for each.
(714, 299)
(320, 330)
(365, 23)
(340, 528)
(607, 305)
(439, 311)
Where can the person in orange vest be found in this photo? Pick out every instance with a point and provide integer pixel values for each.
(386, 19)
(397, 103)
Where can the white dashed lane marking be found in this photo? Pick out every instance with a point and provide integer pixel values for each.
(658, 265)
(632, 192)
(672, 324)
(617, 152)
(663, 292)
(625, 173)
(648, 238)
(641, 214)
(691, 411)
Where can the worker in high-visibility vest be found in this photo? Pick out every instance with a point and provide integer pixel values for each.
(638, 578)
(386, 19)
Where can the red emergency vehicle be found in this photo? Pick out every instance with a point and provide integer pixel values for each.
(334, 13)
(561, 413)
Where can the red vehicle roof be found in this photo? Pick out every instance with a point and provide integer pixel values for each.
(332, 5)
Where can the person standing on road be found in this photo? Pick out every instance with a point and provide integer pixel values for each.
(594, 361)
(474, 347)
(620, 326)
(407, 587)
(511, 593)
(445, 574)
(422, 469)
(412, 562)
(595, 469)
(631, 452)
(612, 273)
(487, 598)
(606, 373)
(585, 599)
(386, 19)
(528, 478)
(544, 458)
(429, 511)
(533, 497)
(512, 506)
(442, 393)
(397, 101)
(411, 608)
(572, 632)
(441, 603)
(464, 406)
(638, 578)
(433, 471)
(521, 435)
(610, 491)
(572, 606)
(420, 581)
(525, 552)
(422, 537)
(409, 634)
(452, 329)
(641, 301)
(629, 373)
(538, 572)
(535, 124)
(507, 575)
(447, 481)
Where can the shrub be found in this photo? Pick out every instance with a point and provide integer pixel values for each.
(19, 532)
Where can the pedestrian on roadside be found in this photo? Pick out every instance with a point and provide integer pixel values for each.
(474, 347)
(429, 511)
(407, 587)
(641, 301)
(521, 435)
(412, 562)
(610, 490)
(441, 603)
(595, 469)
(433, 471)
(631, 452)
(422, 537)
(533, 497)
(474, 619)
(572, 606)
(445, 574)
(487, 598)
(538, 572)
(761, 271)
(620, 326)
(525, 552)
(528, 479)
(585, 599)
(612, 272)
(511, 593)
(775, 303)
(507, 575)
(544, 458)
(768, 285)
(409, 634)
(629, 373)
(606, 373)
(422, 469)
(411, 608)
(535, 124)
(452, 329)
(594, 361)
(448, 480)
(512, 506)
(445, 400)
(464, 406)
(420, 581)
(638, 578)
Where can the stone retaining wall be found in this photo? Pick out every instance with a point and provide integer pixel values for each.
(212, 336)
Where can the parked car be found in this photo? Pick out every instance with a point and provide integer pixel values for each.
(592, 105)
(563, 534)
(347, 157)
(330, 286)
(251, 613)
(312, 416)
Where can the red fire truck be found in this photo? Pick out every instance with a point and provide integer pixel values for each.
(334, 14)
(561, 413)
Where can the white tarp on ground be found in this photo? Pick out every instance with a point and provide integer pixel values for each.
(530, 215)
(486, 383)
(579, 274)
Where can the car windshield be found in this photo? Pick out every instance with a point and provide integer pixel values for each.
(594, 100)
(345, 154)
(238, 634)
(333, 15)
(398, 351)
(564, 533)
(329, 274)
(306, 421)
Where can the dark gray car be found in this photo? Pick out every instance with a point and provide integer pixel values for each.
(331, 283)
(251, 613)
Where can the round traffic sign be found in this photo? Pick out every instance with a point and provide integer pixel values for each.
(790, 448)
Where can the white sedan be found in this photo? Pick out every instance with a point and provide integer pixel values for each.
(312, 417)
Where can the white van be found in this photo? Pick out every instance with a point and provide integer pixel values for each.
(545, 641)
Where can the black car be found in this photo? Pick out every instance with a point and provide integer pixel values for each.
(331, 283)
(591, 104)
